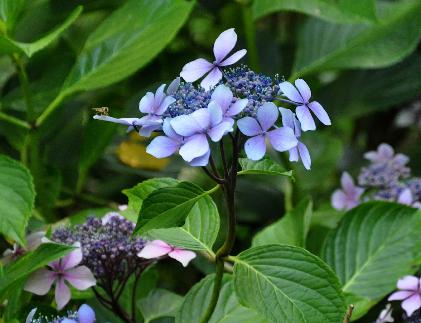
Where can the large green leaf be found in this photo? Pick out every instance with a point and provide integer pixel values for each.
(369, 239)
(343, 11)
(17, 197)
(137, 194)
(323, 45)
(127, 40)
(20, 269)
(159, 303)
(198, 233)
(262, 167)
(8, 45)
(292, 229)
(227, 310)
(359, 93)
(288, 284)
(168, 207)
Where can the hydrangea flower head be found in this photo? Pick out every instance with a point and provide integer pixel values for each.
(223, 45)
(281, 139)
(349, 196)
(107, 246)
(409, 293)
(159, 248)
(61, 271)
(301, 93)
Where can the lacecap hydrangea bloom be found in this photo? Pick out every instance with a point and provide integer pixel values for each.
(85, 314)
(189, 118)
(387, 178)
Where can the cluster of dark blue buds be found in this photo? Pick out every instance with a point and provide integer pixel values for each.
(108, 248)
(387, 178)
(85, 314)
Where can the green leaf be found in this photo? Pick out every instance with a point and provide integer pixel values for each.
(370, 238)
(198, 233)
(17, 197)
(9, 13)
(126, 41)
(21, 268)
(159, 303)
(350, 99)
(140, 192)
(358, 46)
(344, 11)
(288, 284)
(262, 167)
(227, 310)
(9, 46)
(292, 229)
(168, 207)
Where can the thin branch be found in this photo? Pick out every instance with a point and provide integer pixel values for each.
(213, 177)
(15, 121)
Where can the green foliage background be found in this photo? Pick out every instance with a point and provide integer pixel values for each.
(61, 58)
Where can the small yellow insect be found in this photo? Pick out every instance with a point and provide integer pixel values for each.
(103, 111)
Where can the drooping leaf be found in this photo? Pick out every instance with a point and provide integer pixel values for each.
(344, 11)
(198, 233)
(359, 46)
(17, 197)
(126, 41)
(359, 93)
(21, 268)
(8, 45)
(227, 310)
(159, 303)
(370, 238)
(168, 207)
(264, 167)
(292, 229)
(288, 284)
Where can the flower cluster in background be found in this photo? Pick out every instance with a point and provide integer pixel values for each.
(190, 118)
(387, 177)
(85, 314)
(106, 256)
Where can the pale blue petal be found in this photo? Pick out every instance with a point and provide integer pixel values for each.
(304, 155)
(185, 125)
(162, 146)
(305, 118)
(159, 96)
(234, 58)
(195, 70)
(195, 146)
(320, 113)
(255, 147)
(282, 139)
(86, 314)
(215, 113)
(164, 105)
(173, 87)
(214, 76)
(146, 104)
(237, 107)
(223, 96)
(290, 92)
(293, 154)
(200, 161)
(224, 44)
(216, 133)
(304, 89)
(287, 118)
(267, 114)
(249, 126)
